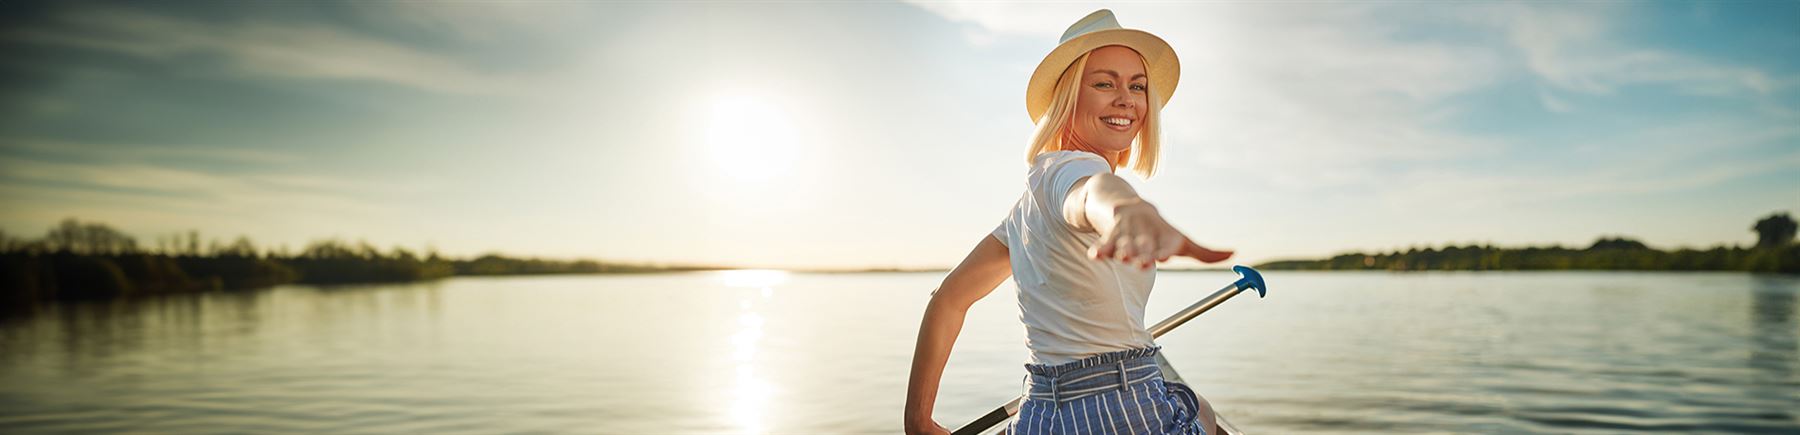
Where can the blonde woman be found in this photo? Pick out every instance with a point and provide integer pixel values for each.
(1082, 246)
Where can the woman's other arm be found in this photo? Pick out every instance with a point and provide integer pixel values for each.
(1131, 230)
(985, 268)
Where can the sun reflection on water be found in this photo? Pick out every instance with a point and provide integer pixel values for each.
(752, 278)
(751, 392)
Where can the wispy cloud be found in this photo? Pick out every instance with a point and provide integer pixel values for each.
(264, 49)
(991, 20)
(1665, 159)
(489, 22)
(1553, 104)
(195, 190)
(145, 152)
(1574, 47)
(151, 189)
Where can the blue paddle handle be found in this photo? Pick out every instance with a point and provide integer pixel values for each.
(1251, 280)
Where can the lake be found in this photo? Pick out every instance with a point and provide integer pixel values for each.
(771, 352)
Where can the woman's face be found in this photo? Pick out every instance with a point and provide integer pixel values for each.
(1110, 109)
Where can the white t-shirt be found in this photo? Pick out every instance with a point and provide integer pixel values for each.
(1072, 306)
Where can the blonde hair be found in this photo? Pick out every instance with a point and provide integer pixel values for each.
(1053, 126)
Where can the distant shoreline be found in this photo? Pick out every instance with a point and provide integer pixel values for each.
(93, 261)
(88, 261)
(1604, 255)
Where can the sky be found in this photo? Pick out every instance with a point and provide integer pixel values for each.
(851, 135)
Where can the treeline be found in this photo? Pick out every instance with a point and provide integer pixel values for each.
(77, 260)
(497, 265)
(1782, 260)
(1774, 252)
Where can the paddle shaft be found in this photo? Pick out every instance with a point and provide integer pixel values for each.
(1194, 310)
(1004, 411)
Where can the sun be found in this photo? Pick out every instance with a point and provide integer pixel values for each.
(750, 138)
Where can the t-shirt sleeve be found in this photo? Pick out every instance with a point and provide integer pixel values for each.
(1061, 176)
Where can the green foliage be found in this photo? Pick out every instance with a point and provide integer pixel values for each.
(76, 260)
(158, 274)
(329, 265)
(1774, 231)
(338, 262)
(236, 272)
(1605, 254)
(492, 264)
(1775, 252)
(85, 277)
(72, 236)
(1617, 243)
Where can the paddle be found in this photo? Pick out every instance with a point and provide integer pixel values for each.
(1250, 279)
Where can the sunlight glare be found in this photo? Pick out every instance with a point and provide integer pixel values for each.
(750, 138)
(751, 393)
(752, 278)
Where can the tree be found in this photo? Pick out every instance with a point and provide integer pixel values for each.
(1775, 231)
(242, 247)
(1616, 243)
(192, 243)
(72, 236)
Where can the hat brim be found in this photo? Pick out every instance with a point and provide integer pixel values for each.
(1160, 64)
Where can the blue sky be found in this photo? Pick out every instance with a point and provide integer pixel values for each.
(886, 135)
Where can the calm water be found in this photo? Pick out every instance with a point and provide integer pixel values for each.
(749, 352)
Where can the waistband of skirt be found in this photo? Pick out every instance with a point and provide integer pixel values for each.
(1147, 353)
(1092, 375)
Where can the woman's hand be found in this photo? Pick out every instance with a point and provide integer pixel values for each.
(1141, 237)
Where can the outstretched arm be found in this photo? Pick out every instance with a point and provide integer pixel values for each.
(1131, 230)
(985, 268)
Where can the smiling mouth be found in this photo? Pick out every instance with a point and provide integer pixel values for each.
(1118, 123)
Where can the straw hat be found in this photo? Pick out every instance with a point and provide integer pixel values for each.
(1100, 29)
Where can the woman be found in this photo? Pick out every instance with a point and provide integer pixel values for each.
(1081, 244)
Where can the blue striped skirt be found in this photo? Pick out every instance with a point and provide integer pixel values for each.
(1119, 392)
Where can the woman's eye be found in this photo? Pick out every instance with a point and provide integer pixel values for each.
(1138, 87)
(1103, 85)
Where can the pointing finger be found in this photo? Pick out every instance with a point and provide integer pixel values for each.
(1203, 254)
